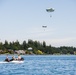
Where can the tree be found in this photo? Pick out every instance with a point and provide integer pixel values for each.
(6, 45)
(44, 44)
(1, 46)
(24, 45)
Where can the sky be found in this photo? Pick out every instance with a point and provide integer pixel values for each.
(23, 19)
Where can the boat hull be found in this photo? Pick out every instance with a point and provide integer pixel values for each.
(17, 61)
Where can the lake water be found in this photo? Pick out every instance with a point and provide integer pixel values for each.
(40, 65)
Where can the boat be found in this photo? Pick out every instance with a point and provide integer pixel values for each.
(14, 61)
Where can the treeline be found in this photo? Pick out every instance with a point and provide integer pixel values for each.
(36, 47)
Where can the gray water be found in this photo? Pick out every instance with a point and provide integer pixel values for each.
(40, 65)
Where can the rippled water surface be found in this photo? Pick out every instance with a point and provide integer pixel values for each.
(40, 65)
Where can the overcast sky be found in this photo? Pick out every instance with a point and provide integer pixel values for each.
(23, 19)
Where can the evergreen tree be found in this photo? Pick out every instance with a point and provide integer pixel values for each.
(24, 45)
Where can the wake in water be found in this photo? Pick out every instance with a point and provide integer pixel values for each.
(11, 62)
(3, 62)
